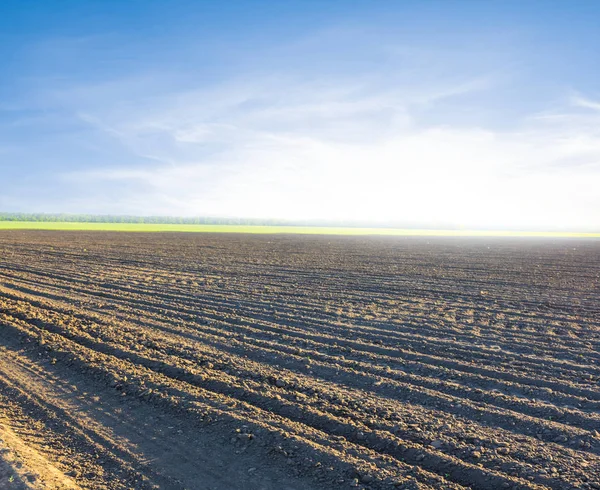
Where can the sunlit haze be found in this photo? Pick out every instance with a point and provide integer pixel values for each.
(437, 114)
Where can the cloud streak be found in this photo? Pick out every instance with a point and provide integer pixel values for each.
(343, 150)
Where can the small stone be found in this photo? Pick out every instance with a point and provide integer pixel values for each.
(503, 450)
(437, 444)
(366, 478)
(280, 383)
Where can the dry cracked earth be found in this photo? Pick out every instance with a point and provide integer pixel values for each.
(207, 361)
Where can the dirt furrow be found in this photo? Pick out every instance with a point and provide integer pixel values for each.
(314, 362)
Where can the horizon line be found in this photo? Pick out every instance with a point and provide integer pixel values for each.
(282, 229)
(358, 224)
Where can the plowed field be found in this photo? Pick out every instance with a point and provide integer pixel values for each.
(207, 361)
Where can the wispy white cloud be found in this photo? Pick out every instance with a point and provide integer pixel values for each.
(586, 103)
(341, 150)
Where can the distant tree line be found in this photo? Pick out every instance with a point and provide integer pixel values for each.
(207, 220)
(178, 220)
(108, 218)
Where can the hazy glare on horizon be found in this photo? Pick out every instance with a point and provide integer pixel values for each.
(480, 114)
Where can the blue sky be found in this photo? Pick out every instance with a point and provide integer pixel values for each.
(469, 113)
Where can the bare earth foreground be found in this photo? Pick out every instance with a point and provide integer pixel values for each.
(298, 362)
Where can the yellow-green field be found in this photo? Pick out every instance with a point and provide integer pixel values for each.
(313, 230)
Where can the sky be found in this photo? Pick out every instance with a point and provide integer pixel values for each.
(444, 113)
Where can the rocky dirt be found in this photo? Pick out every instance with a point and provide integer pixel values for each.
(298, 362)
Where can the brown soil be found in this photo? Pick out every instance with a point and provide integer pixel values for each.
(298, 362)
